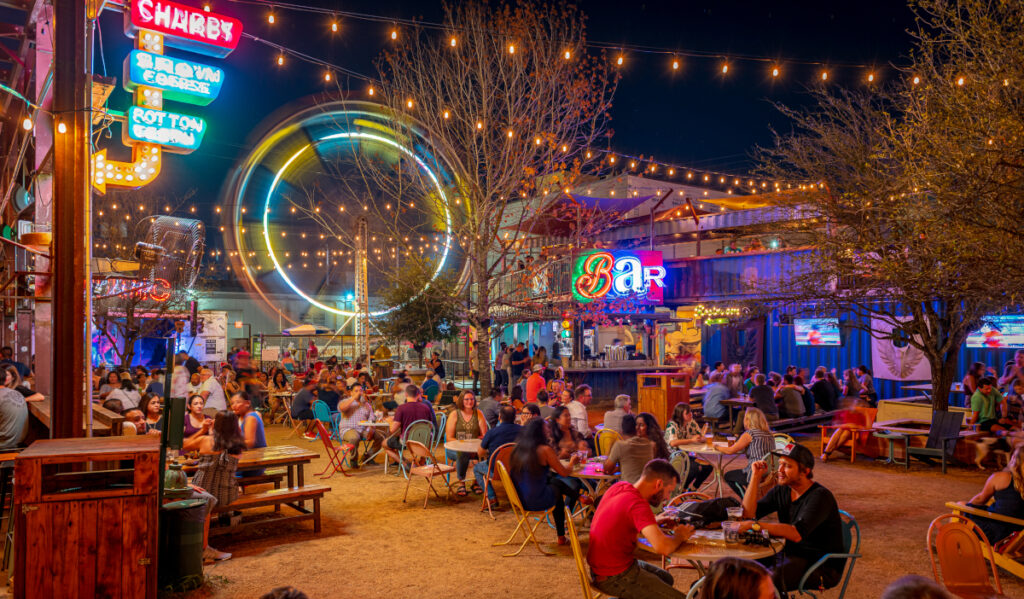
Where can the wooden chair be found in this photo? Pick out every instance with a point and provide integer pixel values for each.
(859, 424)
(851, 546)
(501, 454)
(942, 438)
(958, 548)
(577, 554)
(428, 471)
(1008, 553)
(335, 455)
(606, 437)
(522, 516)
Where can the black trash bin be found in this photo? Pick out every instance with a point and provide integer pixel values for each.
(181, 545)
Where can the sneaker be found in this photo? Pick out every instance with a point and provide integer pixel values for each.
(310, 436)
(213, 555)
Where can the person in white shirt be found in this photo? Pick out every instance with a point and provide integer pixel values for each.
(126, 393)
(578, 412)
(211, 391)
(179, 379)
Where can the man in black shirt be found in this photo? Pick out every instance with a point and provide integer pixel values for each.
(808, 520)
(519, 359)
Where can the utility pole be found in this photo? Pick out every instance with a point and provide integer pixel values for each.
(72, 211)
(362, 291)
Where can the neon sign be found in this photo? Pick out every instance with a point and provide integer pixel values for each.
(603, 274)
(179, 133)
(188, 28)
(180, 80)
(159, 290)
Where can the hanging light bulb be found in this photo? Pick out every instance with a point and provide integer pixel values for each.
(62, 128)
(452, 42)
(960, 81)
(824, 75)
(394, 34)
(26, 124)
(334, 25)
(618, 60)
(567, 55)
(408, 103)
(917, 80)
(370, 91)
(871, 77)
(270, 16)
(327, 76)
(511, 49)
(280, 59)
(775, 71)
(725, 68)
(675, 65)
(446, 114)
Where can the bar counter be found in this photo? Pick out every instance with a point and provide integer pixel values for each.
(608, 382)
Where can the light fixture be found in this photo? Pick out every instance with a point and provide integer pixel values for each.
(871, 77)
(334, 26)
(775, 71)
(270, 16)
(452, 42)
(394, 34)
(280, 59)
(27, 124)
(62, 128)
(511, 49)
(675, 65)
(618, 60)
(725, 68)
(824, 75)
(567, 55)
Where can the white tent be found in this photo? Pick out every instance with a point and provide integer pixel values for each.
(307, 329)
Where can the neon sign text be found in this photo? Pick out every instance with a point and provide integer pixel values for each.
(180, 80)
(186, 27)
(176, 132)
(159, 290)
(600, 274)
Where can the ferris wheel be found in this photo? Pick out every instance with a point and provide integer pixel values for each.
(332, 199)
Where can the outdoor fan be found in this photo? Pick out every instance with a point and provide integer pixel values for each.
(172, 251)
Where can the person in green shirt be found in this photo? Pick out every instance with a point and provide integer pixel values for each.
(987, 405)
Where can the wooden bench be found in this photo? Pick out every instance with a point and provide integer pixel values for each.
(810, 421)
(275, 475)
(290, 497)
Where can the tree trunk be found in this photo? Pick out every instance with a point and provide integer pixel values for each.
(943, 375)
(481, 313)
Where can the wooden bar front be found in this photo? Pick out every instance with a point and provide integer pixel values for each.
(659, 392)
(86, 518)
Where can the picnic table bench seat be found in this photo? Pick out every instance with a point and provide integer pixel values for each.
(800, 423)
(289, 496)
(273, 475)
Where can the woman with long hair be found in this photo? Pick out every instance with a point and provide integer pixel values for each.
(468, 422)
(736, 578)
(647, 428)
(539, 475)
(684, 430)
(194, 417)
(974, 375)
(564, 437)
(851, 386)
(1006, 491)
(215, 473)
(756, 442)
(127, 393)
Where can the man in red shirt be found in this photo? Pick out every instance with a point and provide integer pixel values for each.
(535, 383)
(624, 513)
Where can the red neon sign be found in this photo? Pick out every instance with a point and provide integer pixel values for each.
(159, 290)
(185, 27)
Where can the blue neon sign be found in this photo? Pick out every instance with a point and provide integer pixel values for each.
(181, 133)
(180, 80)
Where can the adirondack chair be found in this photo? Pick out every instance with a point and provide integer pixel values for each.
(942, 438)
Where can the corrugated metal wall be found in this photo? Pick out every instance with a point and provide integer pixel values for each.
(781, 351)
(725, 276)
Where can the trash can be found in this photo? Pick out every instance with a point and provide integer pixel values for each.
(181, 545)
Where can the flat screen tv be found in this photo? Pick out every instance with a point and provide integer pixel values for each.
(999, 332)
(816, 331)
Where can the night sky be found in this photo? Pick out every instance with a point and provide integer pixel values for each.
(693, 118)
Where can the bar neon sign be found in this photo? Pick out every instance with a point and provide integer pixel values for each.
(180, 80)
(188, 28)
(179, 133)
(604, 274)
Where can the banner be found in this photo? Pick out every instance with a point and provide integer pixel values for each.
(897, 361)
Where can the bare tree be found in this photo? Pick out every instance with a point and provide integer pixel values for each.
(912, 195)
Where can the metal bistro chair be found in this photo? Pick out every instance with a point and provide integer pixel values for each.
(681, 462)
(501, 454)
(851, 543)
(428, 471)
(420, 431)
(335, 455)
(589, 592)
(1008, 553)
(961, 549)
(522, 516)
(440, 420)
(605, 439)
(782, 440)
(322, 413)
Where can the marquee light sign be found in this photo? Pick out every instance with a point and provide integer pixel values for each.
(180, 80)
(185, 27)
(178, 133)
(158, 290)
(607, 275)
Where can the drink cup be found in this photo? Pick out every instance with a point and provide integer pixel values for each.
(709, 440)
(735, 513)
(732, 531)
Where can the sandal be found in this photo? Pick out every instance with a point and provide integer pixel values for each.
(461, 492)
(476, 489)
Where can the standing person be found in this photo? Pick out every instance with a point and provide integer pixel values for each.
(506, 432)
(756, 442)
(582, 396)
(734, 380)
(1006, 491)
(613, 418)
(535, 383)
(327, 390)
(623, 515)
(190, 363)
(215, 474)
(435, 364)
(490, 407)
(808, 519)
(412, 410)
(469, 422)
(211, 391)
(13, 412)
(500, 366)
(631, 453)
(867, 385)
(532, 464)
(180, 378)
(519, 359)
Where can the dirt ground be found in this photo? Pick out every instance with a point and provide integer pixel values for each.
(374, 545)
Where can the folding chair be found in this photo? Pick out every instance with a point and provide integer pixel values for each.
(335, 455)
(428, 471)
(501, 454)
(1008, 553)
(322, 413)
(522, 515)
(421, 431)
(961, 549)
(440, 419)
(606, 437)
(577, 554)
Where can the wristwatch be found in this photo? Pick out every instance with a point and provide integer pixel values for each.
(756, 527)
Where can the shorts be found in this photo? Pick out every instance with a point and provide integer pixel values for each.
(394, 442)
(987, 424)
(306, 414)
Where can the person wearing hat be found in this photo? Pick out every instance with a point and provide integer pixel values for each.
(534, 383)
(808, 520)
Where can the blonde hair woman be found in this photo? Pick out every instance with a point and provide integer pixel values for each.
(1006, 490)
(757, 442)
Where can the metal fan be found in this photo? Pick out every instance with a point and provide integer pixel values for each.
(172, 251)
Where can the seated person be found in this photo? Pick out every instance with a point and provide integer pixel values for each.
(412, 410)
(1006, 491)
(354, 409)
(399, 397)
(302, 406)
(756, 442)
(135, 423)
(544, 404)
(430, 385)
(737, 578)
(790, 398)
(539, 476)
(466, 421)
(683, 430)
(613, 418)
(808, 519)
(763, 397)
(529, 412)
(490, 406)
(714, 393)
(506, 432)
(987, 406)
(625, 513)
(630, 453)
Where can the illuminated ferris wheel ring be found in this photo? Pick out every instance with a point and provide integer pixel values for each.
(338, 120)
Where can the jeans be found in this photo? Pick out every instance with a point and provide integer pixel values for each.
(479, 473)
(788, 570)
(698, 474)
(461, 460)
(640, 581)
(737, 481)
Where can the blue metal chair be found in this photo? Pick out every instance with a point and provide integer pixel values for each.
(851, 543)
(323, 413)
(421, 431)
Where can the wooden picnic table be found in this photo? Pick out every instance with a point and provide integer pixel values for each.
(104, 422)
(736, 402)
(290, 456)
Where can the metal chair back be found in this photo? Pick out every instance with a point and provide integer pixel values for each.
(577, 554)
(959, 548)
(606, 437)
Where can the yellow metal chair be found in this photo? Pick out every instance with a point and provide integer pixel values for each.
(577, 554)
(522, 515)
(605, 439)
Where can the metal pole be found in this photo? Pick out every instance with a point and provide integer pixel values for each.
(72, 306)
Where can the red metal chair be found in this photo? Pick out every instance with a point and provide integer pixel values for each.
(335, 455)
(960, 548)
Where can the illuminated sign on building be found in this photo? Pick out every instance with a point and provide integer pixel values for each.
(180, 80)
(608, 275)
(185, 27)
(159, 290)
(179, 133)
